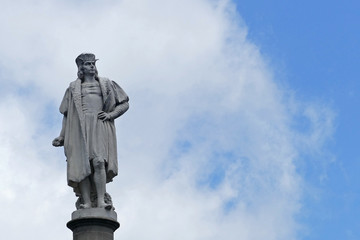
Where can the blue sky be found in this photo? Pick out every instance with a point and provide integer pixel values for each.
(242, 119)
(314, 45)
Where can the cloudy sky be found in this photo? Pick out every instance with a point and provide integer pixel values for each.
(243, 120)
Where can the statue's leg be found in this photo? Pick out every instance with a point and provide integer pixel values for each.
(100, 182)
(85, 187)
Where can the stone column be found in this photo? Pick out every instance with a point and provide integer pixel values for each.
(93, 224)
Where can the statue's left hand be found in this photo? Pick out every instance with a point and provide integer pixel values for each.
(104, 116)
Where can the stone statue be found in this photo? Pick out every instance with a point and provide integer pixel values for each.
(90, 106)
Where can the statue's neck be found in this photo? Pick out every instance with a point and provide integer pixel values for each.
(89, 79)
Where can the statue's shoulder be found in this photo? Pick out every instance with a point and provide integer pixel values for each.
(74, 83)
(105, 80)
(109, 84)
(112, 86)
(69, 89)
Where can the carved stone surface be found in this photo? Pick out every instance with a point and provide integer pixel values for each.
(89, 107)
(93, 198)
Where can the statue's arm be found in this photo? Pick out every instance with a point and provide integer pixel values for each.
(62, 133)
(59, 141)
(122, 100)
(119, 110)
(122, 103)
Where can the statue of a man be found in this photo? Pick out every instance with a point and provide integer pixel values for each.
(90, 106)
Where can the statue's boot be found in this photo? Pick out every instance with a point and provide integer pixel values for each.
(85, 205)
(105, 205)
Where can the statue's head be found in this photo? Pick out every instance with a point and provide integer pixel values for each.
(85, 61)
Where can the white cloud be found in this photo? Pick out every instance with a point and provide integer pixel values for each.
(207, 149)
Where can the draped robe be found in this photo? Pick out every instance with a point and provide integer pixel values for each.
(115, 102)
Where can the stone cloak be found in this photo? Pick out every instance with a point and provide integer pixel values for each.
(115, 102)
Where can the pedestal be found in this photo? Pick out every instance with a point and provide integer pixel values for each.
(93, 224)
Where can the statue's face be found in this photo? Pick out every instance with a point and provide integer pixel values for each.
(89, 68)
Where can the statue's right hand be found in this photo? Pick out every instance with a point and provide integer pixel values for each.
(58, 142)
